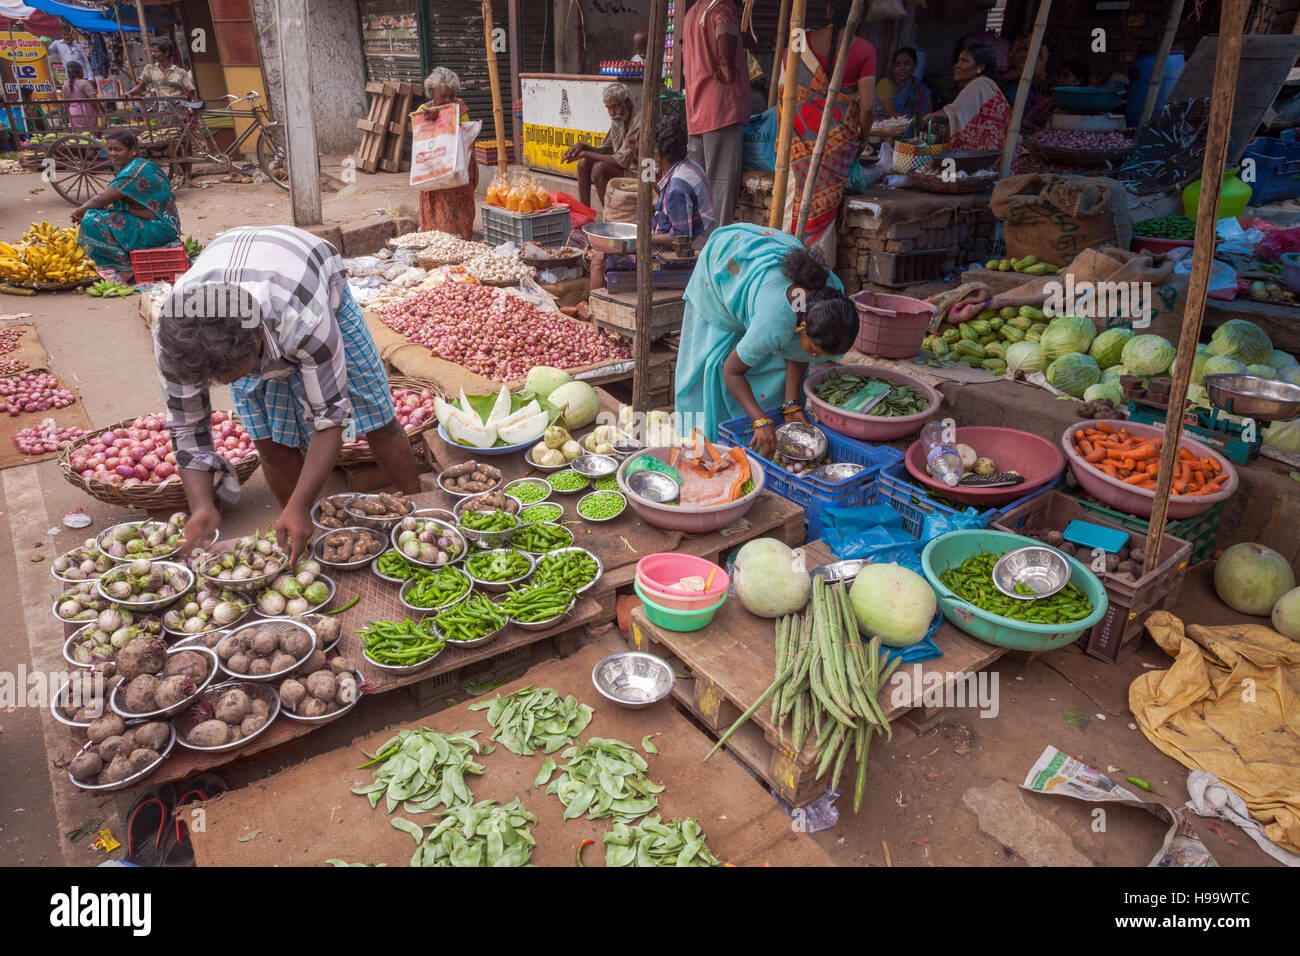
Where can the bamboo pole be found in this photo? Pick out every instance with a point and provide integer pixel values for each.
(644, 205)
(1226, 62)
(828, 116)
(782, 30)
(1162, 57)
(1022, 94)
(498, 119)
(788, 100)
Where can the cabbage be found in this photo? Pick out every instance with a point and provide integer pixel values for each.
(578, 403)
(1073, 373)
(1241, 340)
(1280, 359)
(1106, 348)
(892, 603)
(1103, 391)
(1263, 371)
(1197, 395)
(1198, 365)
(1283, 436)
(1148, 355)
(1112, 375)
(770, 579)
(1066, 334)
(1222, 365)
(1025, 357)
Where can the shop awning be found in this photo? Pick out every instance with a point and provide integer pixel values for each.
(90, 21)
(14, 14)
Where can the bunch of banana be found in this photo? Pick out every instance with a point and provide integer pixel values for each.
(1029, 265)
(107, 288)
(982, 342)
(45, 254)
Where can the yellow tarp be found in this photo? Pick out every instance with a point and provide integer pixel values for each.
(1230, 705)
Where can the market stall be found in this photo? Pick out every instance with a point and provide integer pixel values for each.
(561, 109)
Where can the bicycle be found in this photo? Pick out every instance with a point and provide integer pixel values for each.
(198, 143)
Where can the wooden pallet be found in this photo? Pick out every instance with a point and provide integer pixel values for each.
(383, 97)
(398, 148)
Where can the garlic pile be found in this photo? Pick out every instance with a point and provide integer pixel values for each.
(492, 268)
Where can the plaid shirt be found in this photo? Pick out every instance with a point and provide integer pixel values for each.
(290, 282)
(685, 206)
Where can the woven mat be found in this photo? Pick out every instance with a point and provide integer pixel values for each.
(73, 415)
(30, 351)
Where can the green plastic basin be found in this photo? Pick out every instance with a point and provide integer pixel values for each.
(674, 620)
(950, 550)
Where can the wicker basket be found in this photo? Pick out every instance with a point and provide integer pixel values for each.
(168, 496)
(1058, 156)
(356, 453)
(935, 183)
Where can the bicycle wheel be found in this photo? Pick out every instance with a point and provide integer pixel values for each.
(80, 167)
(271, 155)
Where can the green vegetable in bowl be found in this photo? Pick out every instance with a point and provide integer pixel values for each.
(497, 566)
(602, 505)
(400, 643)
(471, 619)
(839, 388)
(541, 513)
(438, 588)
(606, 483)
(573, 569)
(972, 580)
(537, 602)
(568, 480)
(527, 491)
(393, 564)
(496, 520)
(541, 538)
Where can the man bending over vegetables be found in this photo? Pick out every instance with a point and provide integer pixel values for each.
(268, 311)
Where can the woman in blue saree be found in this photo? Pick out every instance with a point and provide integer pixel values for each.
(136, 211)
(759, 308)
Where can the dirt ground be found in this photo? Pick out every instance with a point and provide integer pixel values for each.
(945, 798)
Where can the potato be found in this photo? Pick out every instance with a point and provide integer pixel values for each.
(89, 712)
(142, 759)
(259, 667)
(282, 662)
(260, 707)
(315, 662)
(190, 664)
(173, 690)
(230, 647)
(327, 628)
(140, 694)
(235, 732)
(239, 663)
(322, 685)
(153, 735)
(112, 746)
(264, 644)
(117, 771)
(210, 733)
(296, 643)
(86, 766)
(312, 707)
(107, 726)
(251, 725)
(212, 639)
(233, 706)
(342, 665)
(1138, 556)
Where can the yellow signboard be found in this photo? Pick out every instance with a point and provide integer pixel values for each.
(544, 145)
(28, 63)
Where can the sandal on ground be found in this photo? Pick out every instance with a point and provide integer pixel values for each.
(146, 825)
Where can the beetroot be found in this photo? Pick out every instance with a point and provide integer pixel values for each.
(190, 664)
(173, 690)
(139, 696)
(142, 655)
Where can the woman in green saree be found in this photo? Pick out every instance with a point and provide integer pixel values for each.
(136, 211)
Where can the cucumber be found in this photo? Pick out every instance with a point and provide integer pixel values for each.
(1008, 313)
(972, 349)
(968, 332)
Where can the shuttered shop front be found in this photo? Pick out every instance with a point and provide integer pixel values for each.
(390, 37)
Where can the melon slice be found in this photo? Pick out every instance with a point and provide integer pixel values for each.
(501, 408)
(467, 408)
(443, 410)
(526, 430)
(468, 430)
(528, 411)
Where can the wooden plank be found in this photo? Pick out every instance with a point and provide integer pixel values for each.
(613, 310)
(397, 129)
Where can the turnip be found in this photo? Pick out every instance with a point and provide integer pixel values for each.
(209, 733)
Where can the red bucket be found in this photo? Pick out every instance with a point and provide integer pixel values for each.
(891, 326)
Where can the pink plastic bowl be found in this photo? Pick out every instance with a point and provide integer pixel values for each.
(702, 603)
(691, 519)
(657, 573)
(1036, 458)
(1140, 501)
(870, 427)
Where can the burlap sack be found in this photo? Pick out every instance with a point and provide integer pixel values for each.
(1057, 217)
(620, 200)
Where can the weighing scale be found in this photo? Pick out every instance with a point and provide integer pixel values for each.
(672, 270)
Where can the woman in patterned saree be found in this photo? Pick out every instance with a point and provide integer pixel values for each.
(978, 118)
(135, 211)
(854, 110)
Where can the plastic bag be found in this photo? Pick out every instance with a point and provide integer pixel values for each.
(710, 477)
(440, 148)
(857, 178)
(1277, 244)
(758, 148)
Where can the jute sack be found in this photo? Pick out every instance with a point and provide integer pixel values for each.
(1057, 217)
(620, 200)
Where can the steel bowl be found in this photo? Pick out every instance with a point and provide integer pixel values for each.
(367, 521)
(496, 587)
(134, 778)
(1042, 569)
(185, 723)
(837, 471)
(117, 699)
(76, 636)
(476, 642)
(839, 572)
(633, 679)
(600, 565)
(56, 707)
(539, 482)
(247, 585)
(93, 550)
(280, 625)
(374, 566)
(571, 491)
(549, 622)
(150, 605)
(331, 715)
(800, 442)
(619, 514)
(519, 547)
(460, 507)
(1251, 396)
(54, 608)
(487, 540)
(448, 529)
(330, 587)
(469, 494)
(528, 460)
(627, 446)
(653, 486)
(318, 549)
(417, 610)
(248, 609)
(592, 465)
(403, 668)
(102, 536)
(611, 237)
(341, 498)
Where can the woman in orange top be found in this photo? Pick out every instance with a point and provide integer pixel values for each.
(448, 210)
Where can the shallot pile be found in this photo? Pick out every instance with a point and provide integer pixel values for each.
(413, 409)
(11, 366)
(142, 454)
(496, 334)
(34, 392)
(1082, 139)
(9, 337)
(46, 437)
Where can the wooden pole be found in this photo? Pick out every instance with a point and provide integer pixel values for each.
(1226, 62)
(1162, 57)
(516, 61)
(782, 31)
(788, 100)
(503, 164)
(299, 120)
(644, 202)
(126, 50)
(144, 30)
(1022, 94)
(823, 133)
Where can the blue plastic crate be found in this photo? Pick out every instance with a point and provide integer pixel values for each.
(814, 494)
(913, 502)
(1277, 170)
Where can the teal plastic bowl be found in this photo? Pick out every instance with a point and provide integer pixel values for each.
(950, 550)
(674, 620)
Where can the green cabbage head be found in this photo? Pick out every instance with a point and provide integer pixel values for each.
(1107, 347)
(1241, 340)
(1148, 355)
(1066, 334)
(1073, 373)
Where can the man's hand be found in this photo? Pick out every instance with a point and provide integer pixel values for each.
(764, 441)
(722, 73)
(200, 529)
(293, 532)
(571, 153)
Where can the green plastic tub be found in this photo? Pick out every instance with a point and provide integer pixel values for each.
(950, 550)
(674, 620)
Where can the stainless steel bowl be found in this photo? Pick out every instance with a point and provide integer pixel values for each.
(446, 530)
(340, 498)
(611, 237)
(487, 540)
(255, 691)
(571, 491)
(627, 446)
(460, 507)
(331, 589)
(93, 553)
(318, 549)
(248, 609)
(539, 482)
(519, 547)
(374, 566)
(134, 778)
(56, 707)
(839, 572)
(549, 622)
(837, 471)
(419, 611)
(653, 486)
(592, 465)
(279, 625)
(1041, 569)
(540, 504)
(247, 585)
(117, 699)
(103, 536)
(528, 460)
(368, 521)
(332, 715)
(619, 514)
(404, 668)
(496, 587)
(600, 565)
(478, 641)
(469, 494)
(93, 595)
(633, 680)
(147, 606)
(1251, 396)
(801, 442)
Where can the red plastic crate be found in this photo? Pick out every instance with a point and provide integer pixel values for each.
(159, 265)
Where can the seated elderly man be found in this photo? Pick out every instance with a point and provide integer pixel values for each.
(617, 153)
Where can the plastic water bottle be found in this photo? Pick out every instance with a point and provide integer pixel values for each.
(943, 459)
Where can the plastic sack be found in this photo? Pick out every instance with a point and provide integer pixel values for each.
(440, 148)
(1223, 278)
(936, 524)
(857, 178)
(1277, 244)
(758, 148)
(579, 215)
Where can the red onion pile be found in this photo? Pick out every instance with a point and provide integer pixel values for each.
(11, 366)
(46, 437)
(9, 337)
(413, 409)
(496, 334)
(1082, 139)
(34, 392)
(142, 453)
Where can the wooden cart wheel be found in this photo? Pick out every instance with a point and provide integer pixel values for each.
(80, 167)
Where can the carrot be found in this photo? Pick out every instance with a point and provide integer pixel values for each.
(1109, 468)
(1143, 452)
(1104, 427)
(1149, 485)
(1085, 446)
(1185, 473)
(1153, 468)
(1136, 478)
(1095, 456)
